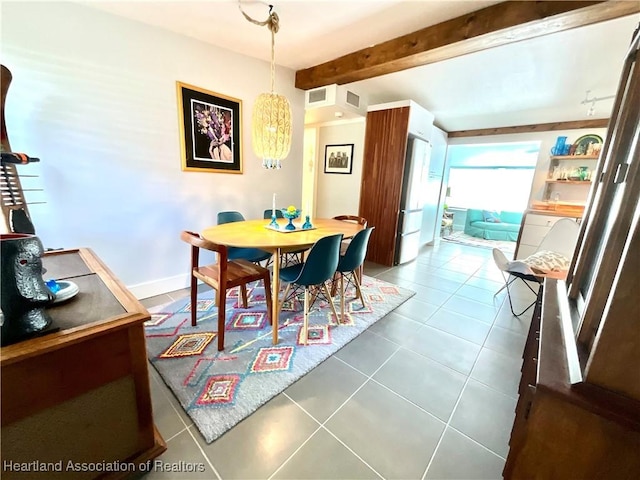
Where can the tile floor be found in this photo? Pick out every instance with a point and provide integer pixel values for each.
(427, 392)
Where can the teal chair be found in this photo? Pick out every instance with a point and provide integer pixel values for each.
(254, 255)
(350, 264)
(268, 213)
(345, 243)
(313, 273)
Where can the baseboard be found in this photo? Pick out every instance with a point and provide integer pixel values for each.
(158, 287)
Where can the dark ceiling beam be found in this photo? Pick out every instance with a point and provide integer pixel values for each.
(540, 127)
(497, 25)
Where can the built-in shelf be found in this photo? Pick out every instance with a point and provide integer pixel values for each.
(569, 209)
(564, 170)
(574, 157)
(570, 182)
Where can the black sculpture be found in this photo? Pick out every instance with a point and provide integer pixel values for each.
(24, 293)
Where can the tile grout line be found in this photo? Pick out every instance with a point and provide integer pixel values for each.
(455, 407)
(321, 425)
(204, 454)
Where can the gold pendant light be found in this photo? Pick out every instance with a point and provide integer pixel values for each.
(271, 119)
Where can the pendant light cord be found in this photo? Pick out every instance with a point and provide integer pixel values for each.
(273, 24)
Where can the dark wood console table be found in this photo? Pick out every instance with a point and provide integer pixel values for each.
(564, 430)
(80, 394)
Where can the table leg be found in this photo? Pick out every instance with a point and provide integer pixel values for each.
(275, 285)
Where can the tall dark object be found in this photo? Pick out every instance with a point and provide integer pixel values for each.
(384, 156)
(389, 175)
(14, 206)
(5, 80)
(24, 294)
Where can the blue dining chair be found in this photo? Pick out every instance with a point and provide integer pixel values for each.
(312, 274)
(254, 255)
(269, 212)
(345, 243)
(350, 264)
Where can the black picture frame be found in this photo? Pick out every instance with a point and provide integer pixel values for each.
(338, 158)
(210, 130)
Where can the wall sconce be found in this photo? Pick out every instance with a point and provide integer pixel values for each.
(271, 119)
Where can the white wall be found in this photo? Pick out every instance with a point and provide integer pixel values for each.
(94, 97)
(339, 194)
(548, 140)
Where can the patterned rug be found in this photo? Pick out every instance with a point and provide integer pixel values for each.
(219, 389)
(463, 238)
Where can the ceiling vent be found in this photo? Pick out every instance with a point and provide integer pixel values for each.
(337, 98)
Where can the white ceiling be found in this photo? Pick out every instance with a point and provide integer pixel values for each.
(534, 81)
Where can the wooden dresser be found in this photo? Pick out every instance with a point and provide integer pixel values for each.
(562, 429)
(81, 394)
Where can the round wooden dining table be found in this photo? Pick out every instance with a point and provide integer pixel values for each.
(256, 234)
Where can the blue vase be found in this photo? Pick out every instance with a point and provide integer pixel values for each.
(291, 217)
(290, 225)
(307, 224)
(558, 149)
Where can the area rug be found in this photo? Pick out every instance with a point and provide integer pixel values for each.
(219, 389)
(463, 238)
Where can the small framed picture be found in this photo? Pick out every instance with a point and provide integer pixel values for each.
(209, 130)
(338, 158)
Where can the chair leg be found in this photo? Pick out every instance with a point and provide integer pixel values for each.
(359, 290)
(221, 296)
(326, 292)
(284, 299)
(334, 287)
(314, 295)
(305, 325)
(511, 303)
(267, 294)
(342, 302)
(506, 282)
(523, 311)
(245, 300)
(194, 300)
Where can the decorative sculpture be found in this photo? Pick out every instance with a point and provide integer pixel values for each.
(24, 293)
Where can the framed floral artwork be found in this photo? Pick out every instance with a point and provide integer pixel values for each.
(209, 130)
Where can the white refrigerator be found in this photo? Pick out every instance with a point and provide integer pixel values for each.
(412, 200)
(432, 192)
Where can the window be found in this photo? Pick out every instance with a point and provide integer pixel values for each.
(492, 177)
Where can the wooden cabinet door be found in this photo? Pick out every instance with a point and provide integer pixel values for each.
(385, 148)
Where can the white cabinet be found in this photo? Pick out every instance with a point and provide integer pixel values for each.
(534, 228)
(420, 121)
